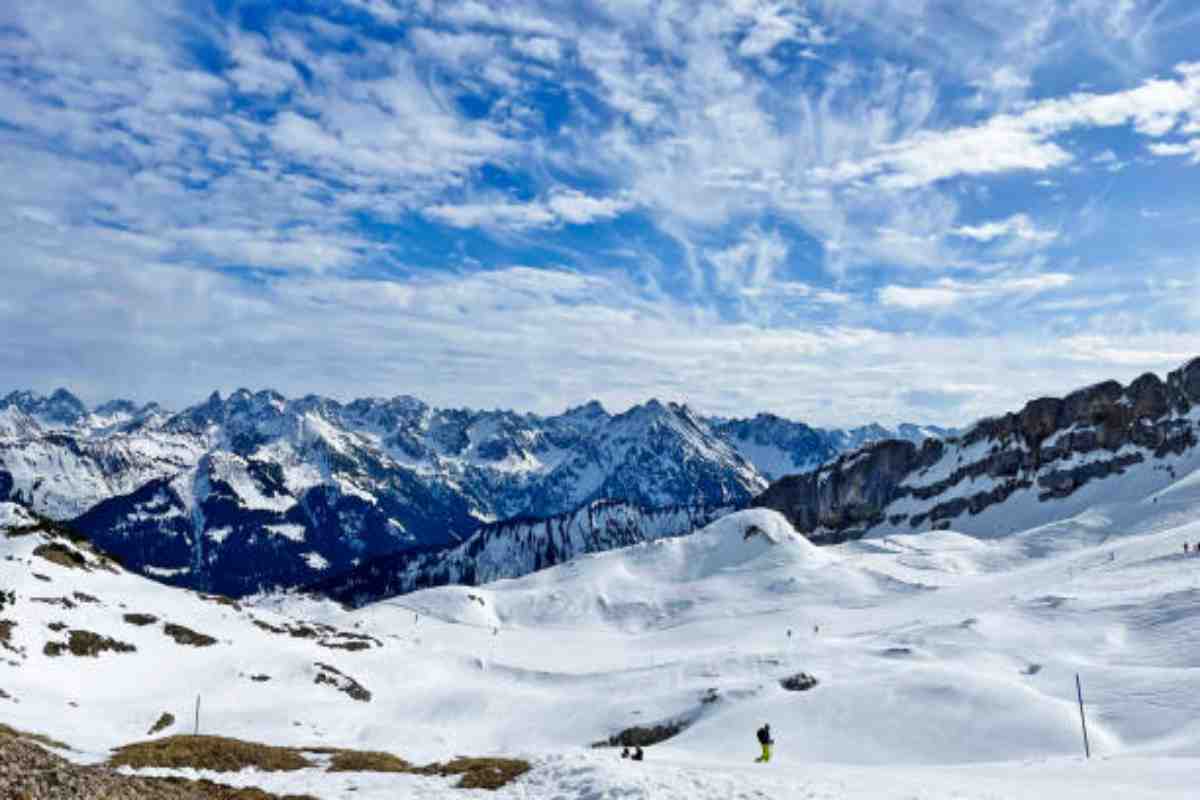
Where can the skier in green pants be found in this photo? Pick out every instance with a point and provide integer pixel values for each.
(764, 738)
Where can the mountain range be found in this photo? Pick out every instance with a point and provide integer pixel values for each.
(254, 491)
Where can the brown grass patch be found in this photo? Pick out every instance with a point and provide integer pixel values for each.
(57, 553)
(183, 635)
(221, 600)
(475, 773)
(351, 646)
(217, 753)
(86, 643)
(140, 619)
(33, 772)
(483, 773)
(222, 754)
(217, 791)
(65, 602)
(342, 682)
(10, 732)
(367, 761)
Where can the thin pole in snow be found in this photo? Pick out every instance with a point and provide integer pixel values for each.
(1087, 750)
(196, 731)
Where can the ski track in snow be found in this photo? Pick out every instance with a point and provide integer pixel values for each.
(946, 665)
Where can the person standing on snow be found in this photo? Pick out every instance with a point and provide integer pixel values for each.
(764, 739)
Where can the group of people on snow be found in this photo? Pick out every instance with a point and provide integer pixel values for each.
(1187, 548)
(636, 755)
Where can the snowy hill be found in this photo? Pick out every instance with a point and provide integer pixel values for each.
(514, 548)
(1105, 443)
(945, 664)
(254, 491)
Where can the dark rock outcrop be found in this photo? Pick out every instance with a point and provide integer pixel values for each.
(1052, 446)
(850, 493)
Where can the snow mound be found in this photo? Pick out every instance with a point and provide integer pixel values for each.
(737, 540)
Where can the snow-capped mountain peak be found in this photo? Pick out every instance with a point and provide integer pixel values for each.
(251, 490)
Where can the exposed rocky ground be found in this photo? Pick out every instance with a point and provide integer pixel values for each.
(30, 772)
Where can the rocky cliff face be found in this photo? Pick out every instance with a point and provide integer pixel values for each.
(1047, 451)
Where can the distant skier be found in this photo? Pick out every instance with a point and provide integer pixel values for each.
(624, 752)
(1185, 548)
(764, 739)
(638, 755)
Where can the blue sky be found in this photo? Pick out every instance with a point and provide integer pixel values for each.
(837, 210)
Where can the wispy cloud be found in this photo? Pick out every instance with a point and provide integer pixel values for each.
(558, 207)
(1189, 148)
(948, 292)
(1018, 226)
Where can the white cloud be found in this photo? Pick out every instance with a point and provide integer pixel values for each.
(459, 50)
(948, 292)
(560, 206)
(499, 214)
(1189, 148)
(766, 25)
(751, 265)
(1003, 80)
(578, 208)
(1022, 141)
(256, 70)
(542, 48)
(530, 339)
(1018, 226)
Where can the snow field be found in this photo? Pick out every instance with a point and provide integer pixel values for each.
(946, 666)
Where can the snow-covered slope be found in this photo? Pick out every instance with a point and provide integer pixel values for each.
(945, 663)
(253, 491)
(514, 548)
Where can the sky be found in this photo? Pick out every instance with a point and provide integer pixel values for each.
(834, 210)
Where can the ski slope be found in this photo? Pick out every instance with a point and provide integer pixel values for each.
(946, 663)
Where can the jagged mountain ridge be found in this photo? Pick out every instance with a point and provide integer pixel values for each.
(1054, 457)
(256, 490)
